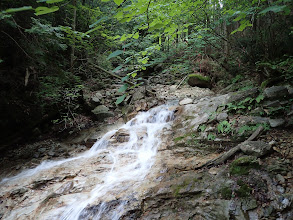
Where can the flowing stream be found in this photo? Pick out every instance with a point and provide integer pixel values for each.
(120, 161)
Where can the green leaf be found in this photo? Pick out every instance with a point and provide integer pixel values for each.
(24, 8)
(115, 54)
(275, 9)
(136, 35)
(124, 37)
(134, 75)
(125, 78)
(259, 98)
(1, 61)
(51, 1)
(45, 10)
(118, 2)
(120, 99)
(98, 21)
(117, 68)
(123, 88)
(127, 45)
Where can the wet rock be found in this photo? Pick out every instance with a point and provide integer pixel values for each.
(255, 148)
(121, 136)
(276, 92)
(102, 112)
(276, 122)
(185, 101)
(222, 116)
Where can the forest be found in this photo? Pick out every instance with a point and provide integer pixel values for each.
(146, 109)
(54, 50)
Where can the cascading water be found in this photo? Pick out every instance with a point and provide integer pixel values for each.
(127, 156)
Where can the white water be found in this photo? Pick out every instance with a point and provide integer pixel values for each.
(130, 163)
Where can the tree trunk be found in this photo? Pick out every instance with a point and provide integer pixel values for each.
(73, 29)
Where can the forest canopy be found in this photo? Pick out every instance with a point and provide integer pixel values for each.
(50, 48)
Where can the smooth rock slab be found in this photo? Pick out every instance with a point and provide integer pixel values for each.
(185, 101)
(255, 148)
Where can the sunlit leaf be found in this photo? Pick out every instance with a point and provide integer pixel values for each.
(45, 10)
(118, 2)
(136, 35)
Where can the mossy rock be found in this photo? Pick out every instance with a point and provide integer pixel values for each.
(242, 165)
(199, 81)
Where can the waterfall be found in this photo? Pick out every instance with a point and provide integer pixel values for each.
(129, 154)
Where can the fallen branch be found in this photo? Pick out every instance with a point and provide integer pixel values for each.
(119, 77)
(225, 156)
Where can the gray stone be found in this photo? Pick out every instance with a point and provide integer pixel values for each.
(276, 122)
(185, 101)
(97, 98)
(275, 103)
(280, 178)
(248, 204)
(290, 90)
(234, 96)
(255, 148)
(102, 112)
(276, 92)
(173, 88)
(222, 116)
(138, 94)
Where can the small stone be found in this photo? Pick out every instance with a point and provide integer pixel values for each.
(51, 153)
(214, 171)
(186, 101)
(280, 178)
(222, 116)
(276, 122)
(173, 88)
(42, 150)
(280, 189)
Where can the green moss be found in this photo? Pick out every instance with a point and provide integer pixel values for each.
(242, 165)
(203, 78)
(244, 190)
(226, 192)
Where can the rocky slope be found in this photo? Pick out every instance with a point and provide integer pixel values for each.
(188, 179)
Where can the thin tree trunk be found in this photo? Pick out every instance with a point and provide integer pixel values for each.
(73, 29)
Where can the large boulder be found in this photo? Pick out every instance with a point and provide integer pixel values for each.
(199, 81)
(255, 148)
